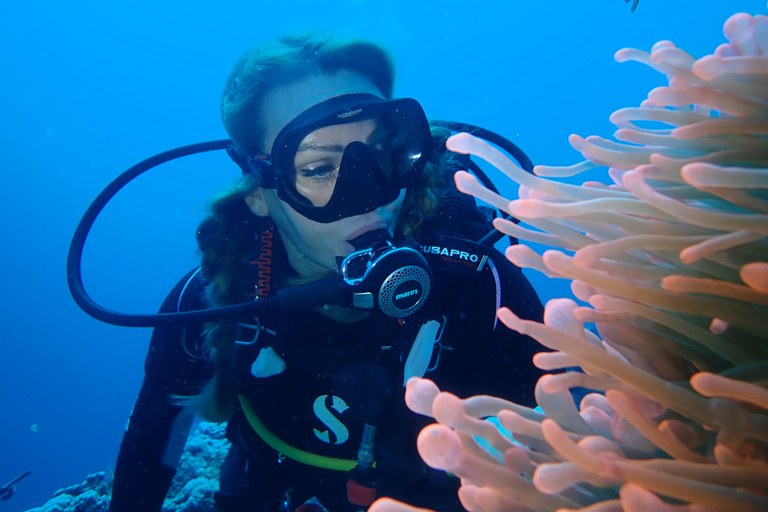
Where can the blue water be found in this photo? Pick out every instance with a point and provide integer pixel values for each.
(89, 88)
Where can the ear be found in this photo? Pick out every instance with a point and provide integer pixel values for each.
(256, 203)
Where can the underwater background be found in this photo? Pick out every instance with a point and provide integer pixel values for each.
(88, 89)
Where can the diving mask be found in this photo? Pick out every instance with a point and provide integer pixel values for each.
(345, 156)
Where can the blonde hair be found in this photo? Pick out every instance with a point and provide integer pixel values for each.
(269, 64)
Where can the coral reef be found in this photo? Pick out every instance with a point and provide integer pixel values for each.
(90, 496)
(670, 257)
(197, 477)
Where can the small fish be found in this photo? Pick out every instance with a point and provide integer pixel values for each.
(634, 4)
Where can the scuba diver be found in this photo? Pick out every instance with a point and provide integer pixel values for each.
(341, 184)
(8, 490)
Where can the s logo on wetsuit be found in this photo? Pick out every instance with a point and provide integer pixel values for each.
(329, 420)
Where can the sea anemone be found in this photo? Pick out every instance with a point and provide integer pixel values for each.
(670, 260)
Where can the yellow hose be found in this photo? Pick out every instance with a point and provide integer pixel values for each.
(320, 461)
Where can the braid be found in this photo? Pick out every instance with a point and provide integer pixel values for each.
(227, 242)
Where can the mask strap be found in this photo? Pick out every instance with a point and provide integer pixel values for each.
(259, 166)
(240, 159)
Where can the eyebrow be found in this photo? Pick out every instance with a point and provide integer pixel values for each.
(334, 148)
(338, 148)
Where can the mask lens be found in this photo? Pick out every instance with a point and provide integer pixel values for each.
(317, 162)
(391, 139)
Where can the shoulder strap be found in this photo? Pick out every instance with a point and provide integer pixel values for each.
(191, 297)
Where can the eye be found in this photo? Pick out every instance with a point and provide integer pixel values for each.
(319, 171)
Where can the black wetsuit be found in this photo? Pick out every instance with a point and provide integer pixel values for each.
(337, 377)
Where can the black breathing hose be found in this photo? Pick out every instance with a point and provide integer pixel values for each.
(331, 290)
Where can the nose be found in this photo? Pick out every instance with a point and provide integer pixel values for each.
(394, 205)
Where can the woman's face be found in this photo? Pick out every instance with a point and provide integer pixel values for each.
(313, 246)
